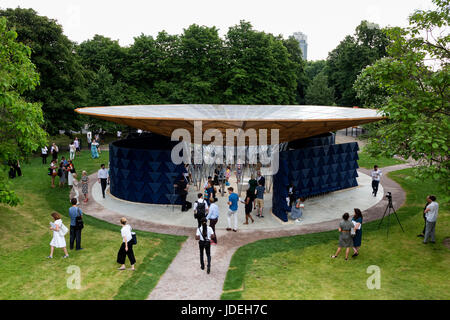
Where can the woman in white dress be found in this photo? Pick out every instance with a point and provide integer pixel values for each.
(58, 240)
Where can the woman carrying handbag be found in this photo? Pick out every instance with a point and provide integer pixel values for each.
(126, 249)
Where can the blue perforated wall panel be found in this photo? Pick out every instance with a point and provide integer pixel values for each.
(313, 171)
(142, 175)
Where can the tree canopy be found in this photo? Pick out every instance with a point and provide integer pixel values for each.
(20, 121)
(413, 85)
(62, 85)
(352, 54)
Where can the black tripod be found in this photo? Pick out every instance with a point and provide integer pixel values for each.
(389, 207)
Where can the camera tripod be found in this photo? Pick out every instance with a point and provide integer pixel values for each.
(388, 209)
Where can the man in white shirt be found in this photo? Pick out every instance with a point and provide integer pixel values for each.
(431, 214)
(376, 177)
(204, 235)
(103, 177)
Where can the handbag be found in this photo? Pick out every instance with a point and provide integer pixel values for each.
(79, 224)
(133, 238)
(63, 230)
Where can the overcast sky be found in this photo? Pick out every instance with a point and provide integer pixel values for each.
(326, 22)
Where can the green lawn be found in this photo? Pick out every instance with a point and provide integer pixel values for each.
(367, 161)
(300, 267)
(25, 238)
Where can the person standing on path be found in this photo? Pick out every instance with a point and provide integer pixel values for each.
(233, 200)
(431, 213)
(126, 249)
(248, 206)
(213, 217)
(75, 229)
(204, 235)
(357, 221)
(345, 237)
(260, 198)
(85, 185)
(200, 209)
(260, 179)
(376, 177)
(103, 176)
(181, 188)
(252, 184)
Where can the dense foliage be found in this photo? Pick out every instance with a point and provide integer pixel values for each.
(62, 84)
(20, 121)
(348, 59)
(412, 87)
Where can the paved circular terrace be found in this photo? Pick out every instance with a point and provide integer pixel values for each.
(318, 209)
(184, 273)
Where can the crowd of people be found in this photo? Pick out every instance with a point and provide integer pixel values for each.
(206, 210)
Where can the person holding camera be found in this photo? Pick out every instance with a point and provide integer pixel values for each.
(431, 214)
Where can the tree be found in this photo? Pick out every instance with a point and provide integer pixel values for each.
(351, 55)
(295, 55)
(413, 85)
(62, 85)
(104, 91)
(318, 92)
(102, 51)
(259, 68)
(20, 121)
(313, 68)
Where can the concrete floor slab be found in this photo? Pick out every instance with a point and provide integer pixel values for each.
(317, 209)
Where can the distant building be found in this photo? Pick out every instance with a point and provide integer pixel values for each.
(303, 40)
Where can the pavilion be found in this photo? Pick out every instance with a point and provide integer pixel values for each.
(141, 170)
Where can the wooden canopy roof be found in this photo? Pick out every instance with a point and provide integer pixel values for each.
(294, 122)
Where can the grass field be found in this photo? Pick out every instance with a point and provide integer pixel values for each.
(25, 238)
(367, 161)
(300, 267)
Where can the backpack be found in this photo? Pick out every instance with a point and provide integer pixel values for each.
(60, 172)
(201, 210)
